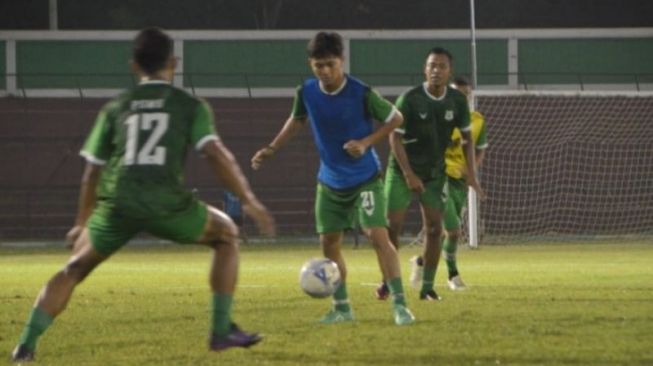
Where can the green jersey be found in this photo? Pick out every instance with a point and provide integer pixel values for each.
(428, 124)
(141, 138)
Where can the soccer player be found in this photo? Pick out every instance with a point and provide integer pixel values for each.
(132, 182)
(341, 110)
(456, 169)
(431, 112)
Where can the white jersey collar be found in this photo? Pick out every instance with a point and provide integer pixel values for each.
(425, 85)
(335, 92)
(146, 81)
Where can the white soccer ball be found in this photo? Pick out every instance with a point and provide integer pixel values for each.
(319, 277)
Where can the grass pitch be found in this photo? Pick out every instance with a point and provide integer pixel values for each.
(555, 304)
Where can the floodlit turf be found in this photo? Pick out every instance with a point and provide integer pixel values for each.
(557, 304)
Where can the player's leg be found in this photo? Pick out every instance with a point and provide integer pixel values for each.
(452, 226)
(207, 225)
(371, 212)
(432, 203)
(396, 218)
(56, 293)
(331, 244)
(389, 264)
(239, 221)
(333, 214)
(222, 235)
(397, 196)
(432, 220)
(386, 253)
(454, 281)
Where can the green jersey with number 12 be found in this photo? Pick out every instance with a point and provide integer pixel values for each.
(141, 139)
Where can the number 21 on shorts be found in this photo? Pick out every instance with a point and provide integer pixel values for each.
(367, 202)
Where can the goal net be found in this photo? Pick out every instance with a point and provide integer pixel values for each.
(565, 164)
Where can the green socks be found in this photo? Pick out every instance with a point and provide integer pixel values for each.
(37, 323)
(428, 277)
(397, 291)
(341, 299)
(450, 247)
(222, 314)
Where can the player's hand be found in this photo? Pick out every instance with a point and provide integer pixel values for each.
(260, 156)
(72, 236)
(261, 217)
(476, 186)
(414, 183)
(355, 148)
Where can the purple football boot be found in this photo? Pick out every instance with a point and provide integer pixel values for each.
(235, 338)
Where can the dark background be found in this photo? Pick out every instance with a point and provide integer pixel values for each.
(333, 14)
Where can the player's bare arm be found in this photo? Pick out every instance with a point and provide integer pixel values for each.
(292, 126)
(414, 183)
(468, 150)
(226, 168)
(86, 203)
(357, 148)
(480, 154)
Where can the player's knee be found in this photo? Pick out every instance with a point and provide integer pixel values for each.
(453, 234)
(222, 229)
(232, 232)
(433, 231)
(227, 235)
(331, 241)
(328, 244)
(77, 270)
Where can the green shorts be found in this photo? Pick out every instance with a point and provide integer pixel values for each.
(110, 231)
(399, 196)
(456, 201)
(337, 210)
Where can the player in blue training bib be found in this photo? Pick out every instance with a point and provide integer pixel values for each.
(341, 110)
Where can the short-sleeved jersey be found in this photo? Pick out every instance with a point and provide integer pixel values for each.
(427, 128)
(346, 114)
(455, 156)
(141, 138)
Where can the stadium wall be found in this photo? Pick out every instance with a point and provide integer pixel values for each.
(570, 165)
(271, 63)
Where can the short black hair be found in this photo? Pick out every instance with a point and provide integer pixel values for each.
(440, 51)
(462, 80)
(325, 44)
(152, 49)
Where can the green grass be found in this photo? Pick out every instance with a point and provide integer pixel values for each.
(556, 304)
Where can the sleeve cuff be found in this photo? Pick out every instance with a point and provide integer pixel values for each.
(92, 159)
(200, 144)
(299, 117)
(481, 147)
(391, 115)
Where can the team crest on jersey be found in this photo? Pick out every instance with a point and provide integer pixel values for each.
(448, 116)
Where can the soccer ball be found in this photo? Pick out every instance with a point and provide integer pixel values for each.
(319, 277)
